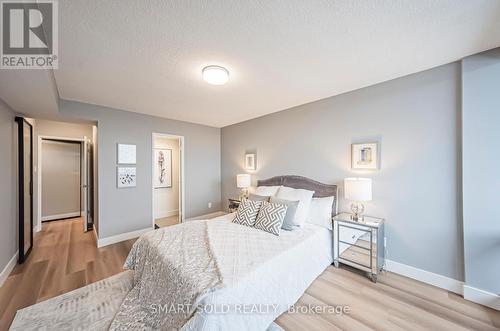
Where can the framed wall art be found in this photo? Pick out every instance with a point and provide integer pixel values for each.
(250, 163)
(364, 156)
(126, 154)
(162, 168)
(126, 177)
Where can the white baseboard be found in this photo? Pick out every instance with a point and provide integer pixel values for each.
(427, 277)
(167, 213)
(8, 268)
(482, 297)
(60, 216)
(101, 242)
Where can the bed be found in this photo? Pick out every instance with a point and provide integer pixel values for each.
(218, 275)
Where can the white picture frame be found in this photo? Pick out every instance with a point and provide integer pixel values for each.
(126, 177)
(126, 154)
(364, 156)
(250, 163)
(162, 168)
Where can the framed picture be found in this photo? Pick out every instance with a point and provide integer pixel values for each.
(162, 168)
(126, 177)
(250, 162)
(364, 156)
(126, 154)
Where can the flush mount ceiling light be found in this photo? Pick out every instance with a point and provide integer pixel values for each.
(215, 75)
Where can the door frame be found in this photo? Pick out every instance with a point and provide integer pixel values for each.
(181, 175)
(20, 147)
(39, 172)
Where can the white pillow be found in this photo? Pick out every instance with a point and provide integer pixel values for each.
(303, 196)
(266, 191)
(320, 212)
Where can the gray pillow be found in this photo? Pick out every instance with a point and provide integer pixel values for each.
(255, 197)
(290, 212)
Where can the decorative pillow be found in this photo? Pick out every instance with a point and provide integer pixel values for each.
(247, 212)
(290, 212)
(270, 218)
(266, 191)
(255, 197)
(320, 212)
(303, 196)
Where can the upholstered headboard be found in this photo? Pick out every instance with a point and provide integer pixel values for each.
(320, 190)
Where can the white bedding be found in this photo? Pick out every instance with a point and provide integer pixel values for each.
(263, 274)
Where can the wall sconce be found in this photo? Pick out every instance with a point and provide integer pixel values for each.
(250, 163)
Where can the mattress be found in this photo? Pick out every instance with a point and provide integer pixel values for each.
(257, 293)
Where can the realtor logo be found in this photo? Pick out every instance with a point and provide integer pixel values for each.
(29, 35)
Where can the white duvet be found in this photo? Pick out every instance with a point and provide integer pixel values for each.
(263, 274)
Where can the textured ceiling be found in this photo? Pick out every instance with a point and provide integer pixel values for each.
(147, 56)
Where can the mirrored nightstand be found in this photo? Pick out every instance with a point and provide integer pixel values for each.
(359, 244)
(233, 205)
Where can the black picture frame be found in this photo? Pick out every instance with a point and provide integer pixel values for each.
(21, 181)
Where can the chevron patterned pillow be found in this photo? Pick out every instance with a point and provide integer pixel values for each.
(271, 217)
(247, 212)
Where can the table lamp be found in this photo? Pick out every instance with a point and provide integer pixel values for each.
(357, 190)
(243, 182)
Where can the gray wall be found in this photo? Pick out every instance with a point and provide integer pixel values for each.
(481, 161)
(125, 210)
(416, 120)
(8, 186)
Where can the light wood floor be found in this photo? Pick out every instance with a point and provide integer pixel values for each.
(64, 258)
(167, 221)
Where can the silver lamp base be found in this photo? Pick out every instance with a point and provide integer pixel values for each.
(357, 209)
(243, 194)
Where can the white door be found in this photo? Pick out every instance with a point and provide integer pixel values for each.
(85, 184)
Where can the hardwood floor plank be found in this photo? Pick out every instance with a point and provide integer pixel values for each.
(342, 321)
(300, 322)
(26, 293)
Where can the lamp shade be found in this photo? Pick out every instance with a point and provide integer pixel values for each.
(358, 189)
(243, 181)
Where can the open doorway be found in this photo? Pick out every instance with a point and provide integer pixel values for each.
(65, 173)
(61, 179)
(167, 179)
(65, 179)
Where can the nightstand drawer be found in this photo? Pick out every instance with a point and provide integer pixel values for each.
(358, 256)
(355, 235)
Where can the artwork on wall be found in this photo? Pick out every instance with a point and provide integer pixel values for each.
(126, 177)
(163, 168)
(126, 154)
(364, 156)
(250, 163)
